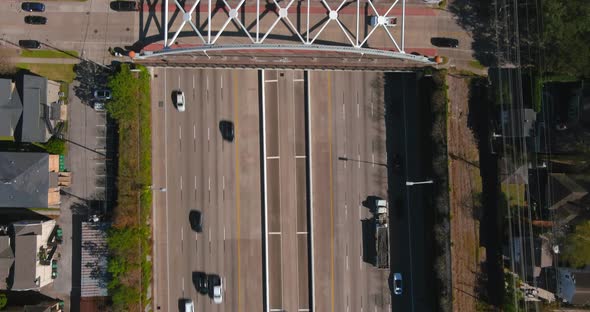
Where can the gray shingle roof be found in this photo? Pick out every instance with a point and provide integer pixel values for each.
(25, 262)
(35, 108)
(11, 108)
(24, 180)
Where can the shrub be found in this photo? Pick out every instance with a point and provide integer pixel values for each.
(55, 146)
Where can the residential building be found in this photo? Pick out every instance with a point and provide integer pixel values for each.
(27, 253)
(517, 123)
(30, 108)
(29, 180)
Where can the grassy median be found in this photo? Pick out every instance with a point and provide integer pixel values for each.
(129, 238)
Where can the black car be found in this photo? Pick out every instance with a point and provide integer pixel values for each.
(33, 7)
(444, 42)
(196, 220)
(201, 282)
(124, 5)
(36, 20)
(227, 130)
(29, 44)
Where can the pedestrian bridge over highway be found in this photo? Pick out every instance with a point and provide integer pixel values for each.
(264, 28)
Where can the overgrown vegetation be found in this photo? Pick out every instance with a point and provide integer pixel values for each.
(577, 247)
(442, 231)
(3, 301)
(129, 238)
(564, 23)
(512, 294)
(55, 146)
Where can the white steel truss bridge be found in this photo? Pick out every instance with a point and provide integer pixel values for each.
(362, 27)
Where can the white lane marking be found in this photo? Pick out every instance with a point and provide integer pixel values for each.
(195, 182)
(345, 211)
(180, 132)
(361, 262)
(183, 284)
(178, 82)
(209, 183)
(372, 160)
(272, 157)
(193, 82)
(181, 182)
(343, 112)
(271, 80)
(358, 156)
(182, 233)
(223, 182)
(298, 80)
(299, 156)
(347, 268)
(372, 111)
(221, 82)
(302, 233)
(358, 106)
(224, 234)
(194, 131)
(274, 233)
(207, 80)
(196, 236)
(208, 134)
(209, 235)
(344, 162)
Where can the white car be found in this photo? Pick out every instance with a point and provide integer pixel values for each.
(217, 284)
(397, 283)
(98, 106)
(180, 100)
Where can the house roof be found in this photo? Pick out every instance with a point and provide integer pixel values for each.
(511, 173)
(563, 190)
(6, 260)
(24, 179)
(25, 262)
(518, 123)
(33, 91)
(11, 108)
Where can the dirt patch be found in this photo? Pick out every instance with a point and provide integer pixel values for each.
(465, 185)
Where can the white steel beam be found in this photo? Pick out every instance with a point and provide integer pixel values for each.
(355, 40)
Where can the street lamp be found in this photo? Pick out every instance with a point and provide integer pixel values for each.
(410, 183)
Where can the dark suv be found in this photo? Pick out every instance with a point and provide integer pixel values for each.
(444, 42)
(36, 20)
(124, 5)
(33, 7)
(29, 44)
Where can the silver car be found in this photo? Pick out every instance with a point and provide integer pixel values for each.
(397, 283)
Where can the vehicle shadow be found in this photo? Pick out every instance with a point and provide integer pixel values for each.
(369, 251)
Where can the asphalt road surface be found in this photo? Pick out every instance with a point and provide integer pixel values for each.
(348, 166)
(194, 168)
(293, 229)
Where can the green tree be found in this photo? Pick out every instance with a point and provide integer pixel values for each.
(124, 297)
(55, 146)
(3, 301)
(577, 246)
(565, 25)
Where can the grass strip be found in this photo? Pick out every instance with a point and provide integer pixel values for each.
(49, 53)
(55, 72)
